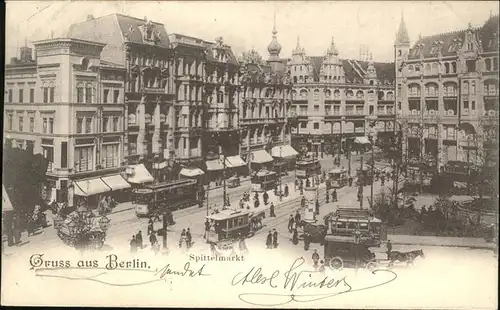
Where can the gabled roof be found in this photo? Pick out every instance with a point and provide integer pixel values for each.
(128, 23)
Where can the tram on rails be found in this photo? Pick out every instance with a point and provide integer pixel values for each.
(155, 198)
(307, 167)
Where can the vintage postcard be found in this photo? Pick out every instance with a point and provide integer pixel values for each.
(251, 154)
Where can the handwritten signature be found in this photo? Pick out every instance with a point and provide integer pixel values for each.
(121, 277)
(294, 280)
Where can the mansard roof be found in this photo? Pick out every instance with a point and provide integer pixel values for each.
(488, 34)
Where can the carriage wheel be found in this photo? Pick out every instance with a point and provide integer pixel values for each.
(336, 263)
(370, 266)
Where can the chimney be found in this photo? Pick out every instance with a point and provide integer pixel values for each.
(26, 54)
(13, 61)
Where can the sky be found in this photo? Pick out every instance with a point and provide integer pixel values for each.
(247, 25)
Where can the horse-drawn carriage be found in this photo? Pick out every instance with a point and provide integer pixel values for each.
(82, 230)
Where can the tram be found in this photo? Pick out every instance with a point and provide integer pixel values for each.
(264, 180)
(229, 224)
(338, 177)
(152, 199)
(307, 167)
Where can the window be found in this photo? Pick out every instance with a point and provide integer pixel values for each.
(446, 68)
(79, 124)
(303, 125)
(64, 154)
(105, 95)
(336, 110)
(399, 52)
(487, 63)
(10, 121)
(84, 158)
(316, 108)
(110, 155)
(105, 122)
(21, 95)
(88, 94)
(471, 66)
(45, 95)
(473, 105)
(473, 88)
(466, 88)
(32, 124)
(328, 110)
(79, 94)
(32, 95)
(88, 125)
(454, 67)
(115, 124)
(51, 125)
(10, 95)
(466, 104)
(21, 120)
(371, 109)
(220, 97)
(51, 93)
(316, 125)
(116, 95)
(45, 124)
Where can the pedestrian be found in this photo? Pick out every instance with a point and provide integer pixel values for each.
(315, 258)
(389, 249)
(150, 226)
(138, 239)
(286, 190)
(307, 241)
(290, 223)
(317, 206)
(275, 238)
(265, 197)
(297, 217)
(269, 240)
(327, 198)
(133, 245)
(256, 196)
(271, 210)
(382, 179)
(183, 237)
(308, 183)
(350, 181)
(207, 228)
(334, 195)
(153, 240)
(297, 184)
(256, 203)
(188, 238)
(276, 190)
(295, 237)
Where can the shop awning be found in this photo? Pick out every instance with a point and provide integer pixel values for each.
(214, 165)
(191, 172)
(140, 175)
(261, 157)
(116, 182)
(6, 204)
(90, 187)
(362, 140)
(235, 161)
(284, 151)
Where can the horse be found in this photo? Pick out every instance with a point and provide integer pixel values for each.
(407, 257)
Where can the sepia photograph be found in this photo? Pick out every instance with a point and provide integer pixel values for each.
(251, 154)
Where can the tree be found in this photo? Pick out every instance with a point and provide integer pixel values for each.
(23, 176)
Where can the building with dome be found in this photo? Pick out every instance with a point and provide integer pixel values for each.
(447, 93)
(335, 100)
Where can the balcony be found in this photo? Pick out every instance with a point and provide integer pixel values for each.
(153, 90)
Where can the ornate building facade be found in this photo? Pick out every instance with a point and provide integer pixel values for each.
(334, 100)
(67, 104)
(447, 92)
(265, 96)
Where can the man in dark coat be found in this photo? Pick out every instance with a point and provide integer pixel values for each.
(382, 179)
(256, 203)
(334, 195)
(350, 181)
(188, 238)
(133, 245)
(317, 206)
(150, 226)
(275, 238)
(271, 210)
(207, 228)
(327, 198)
(295, 237)
(290, 223)
(389, 248)
(297, 217)
(286, 190)
(153, 240)
(265, 197)
(138, 239)
(269, 240)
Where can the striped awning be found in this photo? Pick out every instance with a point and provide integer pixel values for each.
(115, 182)
(261, 157)
(90, 187)
(235, 161)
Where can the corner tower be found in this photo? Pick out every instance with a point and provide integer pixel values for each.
(401, 46)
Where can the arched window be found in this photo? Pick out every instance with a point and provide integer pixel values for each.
(349, 93)
(487, 63)
(359, 94)
(328, 93)
(336, 93)
(220, 96)
(371, 82)
(390, 96)
(303, 93)
(301, 78)
(316, 94)
(446, 67)
(380, 95)
(454, 67)
(410, 68)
